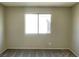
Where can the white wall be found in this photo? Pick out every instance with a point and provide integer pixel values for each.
(59, 37)
(75, 36)
(2, 35)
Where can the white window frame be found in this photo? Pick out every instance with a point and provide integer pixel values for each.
(38, 23)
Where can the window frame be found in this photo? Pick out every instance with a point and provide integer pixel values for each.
(38, 23)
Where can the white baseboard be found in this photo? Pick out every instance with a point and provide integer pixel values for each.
(74, 52)
(34, 48)
(3, 51)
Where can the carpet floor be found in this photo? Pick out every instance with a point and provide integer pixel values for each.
(37, 53)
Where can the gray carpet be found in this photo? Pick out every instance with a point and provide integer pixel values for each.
(37, 53)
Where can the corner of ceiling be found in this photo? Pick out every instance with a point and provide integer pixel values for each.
(75, 4)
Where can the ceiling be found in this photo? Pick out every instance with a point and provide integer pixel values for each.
(56, 4)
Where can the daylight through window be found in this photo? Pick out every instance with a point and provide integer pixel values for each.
(37, 23)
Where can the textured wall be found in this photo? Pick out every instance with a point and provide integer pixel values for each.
(75, 27)
(60, 29)
(2, 35)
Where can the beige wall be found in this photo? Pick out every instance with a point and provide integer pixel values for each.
(2, 35)
(75, 36)
(60, 29)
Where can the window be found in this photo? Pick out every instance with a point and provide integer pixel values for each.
(37, 23)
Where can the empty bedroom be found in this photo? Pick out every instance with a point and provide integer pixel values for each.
(39, 29)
